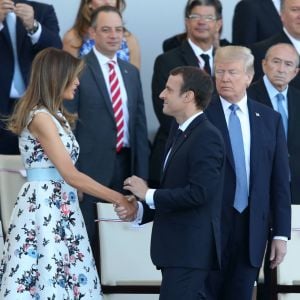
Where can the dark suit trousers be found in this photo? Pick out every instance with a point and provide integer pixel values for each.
(182, 284)
(236, 279)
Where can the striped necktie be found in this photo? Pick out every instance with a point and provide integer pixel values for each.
(115, 92)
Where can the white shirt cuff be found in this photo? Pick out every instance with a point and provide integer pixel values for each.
(139, 214)
(149, 198)
(36, 36)
(282, 238)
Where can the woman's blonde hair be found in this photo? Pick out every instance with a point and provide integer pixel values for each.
(52, 71)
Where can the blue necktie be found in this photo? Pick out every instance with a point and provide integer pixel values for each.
(17, 76)
(280, 109)
(237, 145)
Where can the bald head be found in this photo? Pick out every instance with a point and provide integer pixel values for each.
(281, 65)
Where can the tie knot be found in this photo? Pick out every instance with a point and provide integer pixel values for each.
(280, 97)
(233, 107)
(111, 64)
(205, 57)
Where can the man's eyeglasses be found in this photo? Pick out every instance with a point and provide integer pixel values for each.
(206, 18)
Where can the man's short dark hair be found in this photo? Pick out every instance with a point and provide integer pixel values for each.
(196, 80)
(104, 8)
(193, 3)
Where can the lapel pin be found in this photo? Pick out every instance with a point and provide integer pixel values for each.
(257, 114)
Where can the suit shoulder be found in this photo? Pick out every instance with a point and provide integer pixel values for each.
(41, 6)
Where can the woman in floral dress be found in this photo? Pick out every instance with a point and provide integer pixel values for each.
(47, 253)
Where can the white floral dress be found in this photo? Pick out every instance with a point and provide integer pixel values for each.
(47, 254)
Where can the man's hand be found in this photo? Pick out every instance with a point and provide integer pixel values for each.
(6, 6)
(136, 186)
(127, 211)
(26, 13)
(278, 252)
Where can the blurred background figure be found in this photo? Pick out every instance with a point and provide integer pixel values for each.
(280, 67)
(26, 27)
(78, 42)
(290, 15)
(255, 20)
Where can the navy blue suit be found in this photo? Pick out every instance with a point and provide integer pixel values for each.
(46, 16)
(186, 227)
(269, 196)
(259, 92)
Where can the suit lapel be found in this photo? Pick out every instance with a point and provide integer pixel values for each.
(99, 79)
(127, 83)
(256, 135)
(263, 94)
(188, 55)
(181, 140)
(218, 119)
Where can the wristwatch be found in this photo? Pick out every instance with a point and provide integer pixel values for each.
(34, 28)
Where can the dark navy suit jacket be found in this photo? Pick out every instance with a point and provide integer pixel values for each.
(269, 195)
(259, 92)
(186, 227)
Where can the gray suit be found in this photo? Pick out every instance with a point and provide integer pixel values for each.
(96, 130)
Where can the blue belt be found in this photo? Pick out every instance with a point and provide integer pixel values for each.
(43, 174)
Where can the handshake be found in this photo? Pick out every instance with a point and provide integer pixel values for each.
(138, 187)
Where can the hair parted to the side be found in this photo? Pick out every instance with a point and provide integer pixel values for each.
(236, 53)
(195, 80)
(193, 3)
(52, 71)
(83, 18)
(105, 9)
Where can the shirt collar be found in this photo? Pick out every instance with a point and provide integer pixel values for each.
(242, 104)
(198, 51)
(272, 91)
(103, 60)
(186, 123)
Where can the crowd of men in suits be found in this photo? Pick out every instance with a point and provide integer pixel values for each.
(259, 186)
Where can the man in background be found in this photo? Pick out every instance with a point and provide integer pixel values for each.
(111, 129)
(26, 27)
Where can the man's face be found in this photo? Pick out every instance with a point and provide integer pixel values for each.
(290, 17)
(108, 33)
(280, 66)
(202, 24)
(231, 80)
(173, 99)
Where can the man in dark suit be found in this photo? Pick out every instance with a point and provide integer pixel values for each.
(186, 208)
(280, 67)
(290, 34)
(98, 129)
(25, 29)
(254, 21)
(256, 185)
(203, 21)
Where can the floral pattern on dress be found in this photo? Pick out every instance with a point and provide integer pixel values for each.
(47, 254)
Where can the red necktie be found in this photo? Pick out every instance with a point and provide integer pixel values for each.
(115, 92)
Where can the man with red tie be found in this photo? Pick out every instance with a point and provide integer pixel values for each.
(111, 130)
